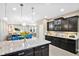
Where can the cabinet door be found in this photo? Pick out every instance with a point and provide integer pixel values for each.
(71, 45)
(29, 52)
(64, 26)
(37, 51)
(58, 23)
(42, 50)
(45, 50)
(53, 41)
(57, 28)
(63, 43)
(56, 43)
(50, 26)
(73, 21)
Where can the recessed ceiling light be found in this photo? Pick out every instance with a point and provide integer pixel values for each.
(5, 18)
(23, 24)
(62, 10)
(45, 16)
(14, 9)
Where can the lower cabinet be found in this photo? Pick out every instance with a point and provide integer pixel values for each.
(29, 52)
(37, 51)
(71, 44)
(66, 44)
(42, 50)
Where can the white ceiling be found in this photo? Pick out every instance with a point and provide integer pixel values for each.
(41, 10)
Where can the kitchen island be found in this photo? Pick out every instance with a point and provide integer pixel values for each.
(27, 47)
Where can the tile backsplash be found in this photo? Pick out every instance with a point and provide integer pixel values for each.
(63, 34)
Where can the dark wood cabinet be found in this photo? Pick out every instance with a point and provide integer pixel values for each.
(64, 24)
(37, 51)
(71, 44)
(50, 26)
(29, 52)
(72, 23)
(42, 50)
(58, 24)
(64, 43)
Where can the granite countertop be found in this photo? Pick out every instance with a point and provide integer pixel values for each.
(13, 46)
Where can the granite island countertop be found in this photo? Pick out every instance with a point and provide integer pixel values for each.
(17, 45)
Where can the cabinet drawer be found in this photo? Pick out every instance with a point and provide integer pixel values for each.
(29, 52)
(21, 53)
(42, 47)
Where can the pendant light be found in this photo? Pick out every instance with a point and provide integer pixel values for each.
(21, 9)
(5, 17)
(23, 24)
(33, 13)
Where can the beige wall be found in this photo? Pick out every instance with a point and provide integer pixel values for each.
(71, 14)
(42, 25)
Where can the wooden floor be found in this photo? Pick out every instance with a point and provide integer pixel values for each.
(55, 51)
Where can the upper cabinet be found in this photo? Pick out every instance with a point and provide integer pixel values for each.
(58, 24)
(50, 26)
(72, 23)
(64, 24)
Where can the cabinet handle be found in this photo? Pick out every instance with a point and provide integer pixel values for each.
(21, 53)
(43, 47)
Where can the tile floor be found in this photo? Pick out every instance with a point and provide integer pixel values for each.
(55, 51)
